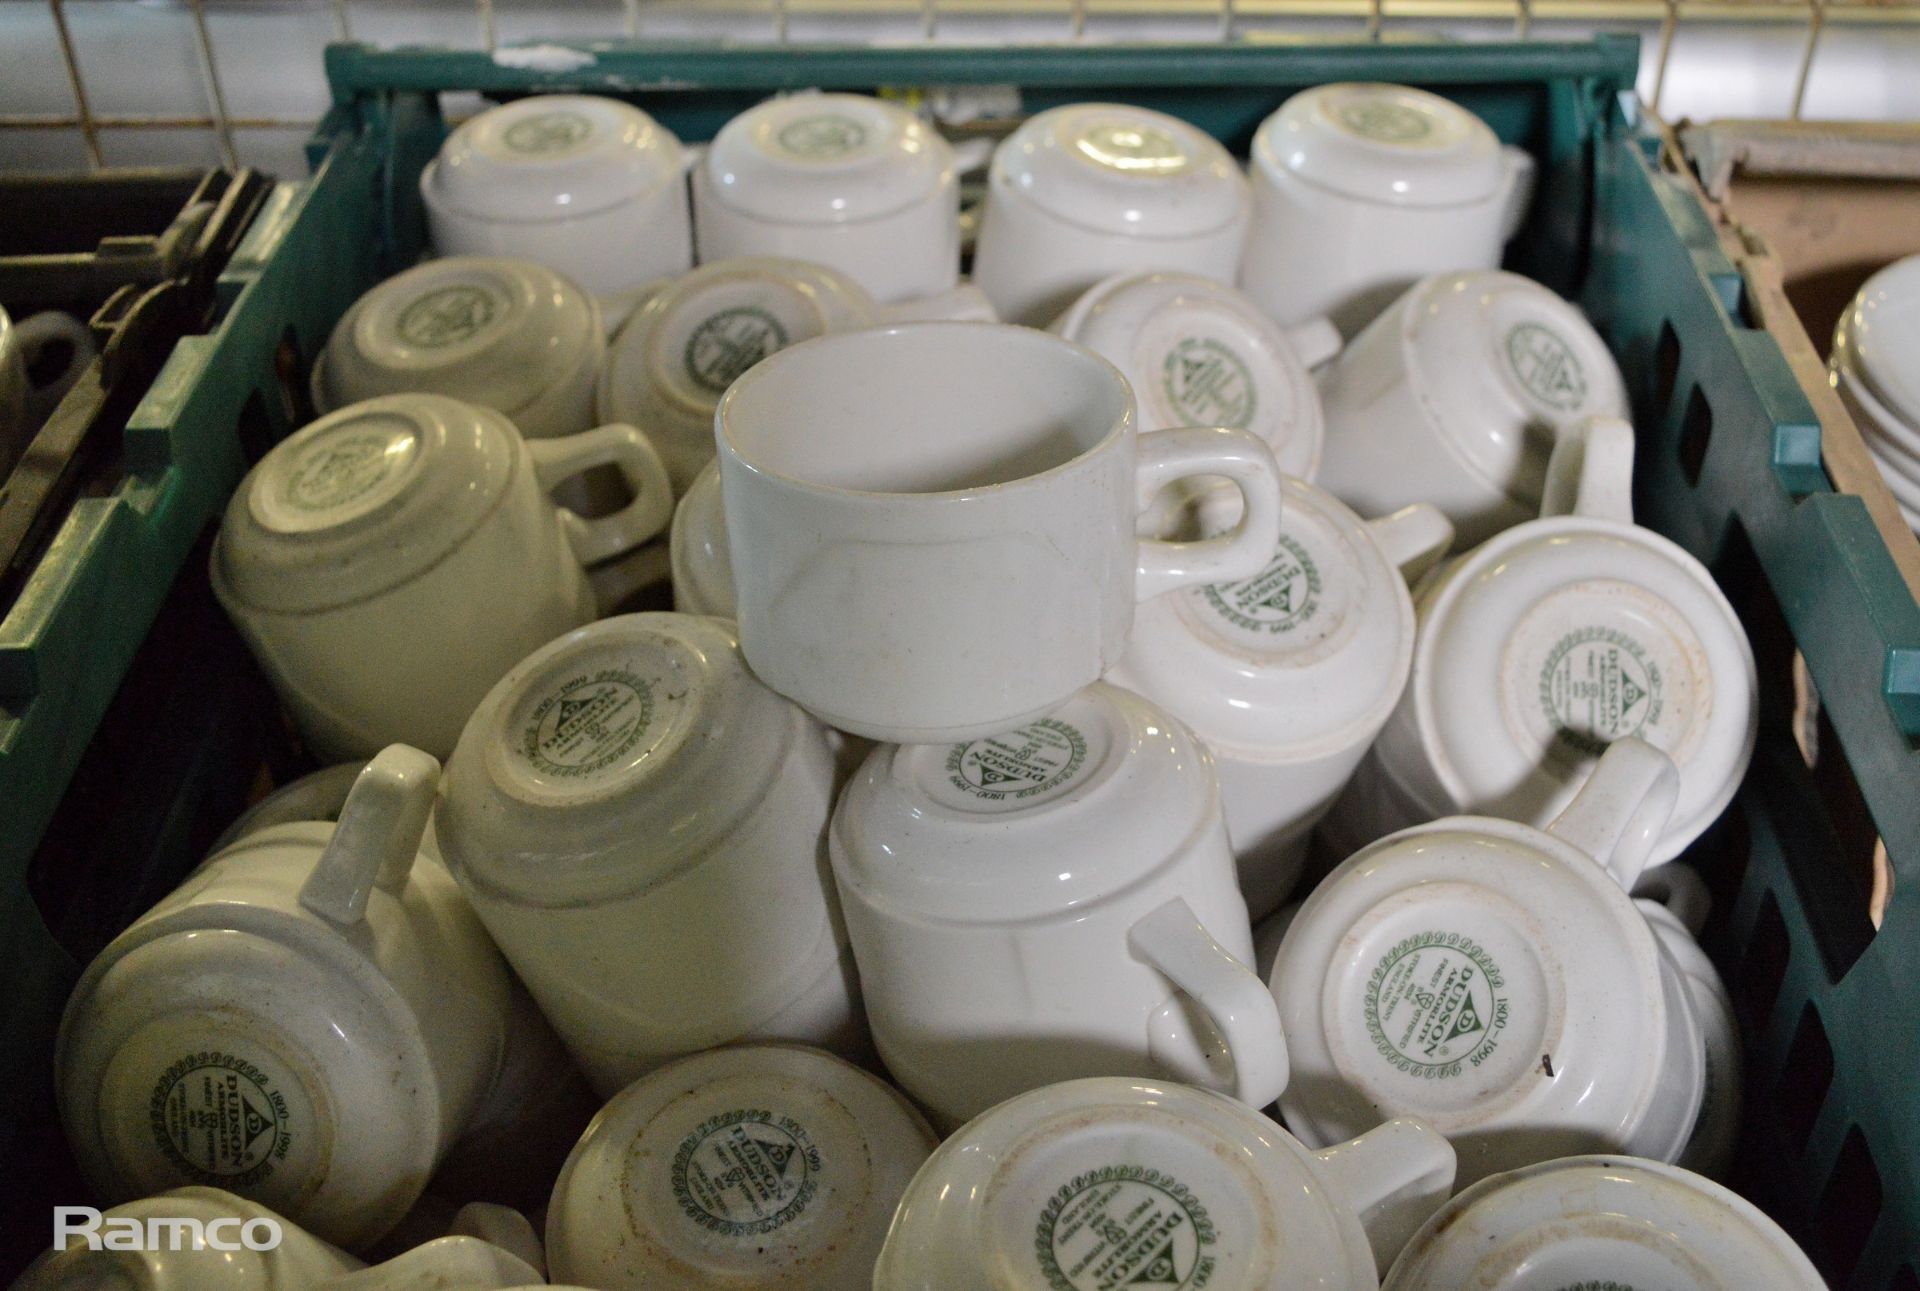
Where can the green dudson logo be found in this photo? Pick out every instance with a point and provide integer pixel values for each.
(1208, 384)
(727, 344)
(1385, 121)
(1436, 1005)
(1275, 601)
(823, 137)
(1125, 1228)
(1599, 685)
(1546, 367)
(548, 132)
(1018, 764)
(218, 1118)
(339, 470)
(447, 316)
(745, 1173)
(587, 723)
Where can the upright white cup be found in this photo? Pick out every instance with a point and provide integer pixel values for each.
(1082, 192)
(24, 402)
(1198, 353)
(1453, 397)
(1496, 980)
(389, 562)
(757, 1167)
(932, 525)
(1361, 190)
(1546, 643)
(639, 823)
(311, 1021)
(298, 1259)
(1289, 675)
(1599, 1221)
(591, 187)
(1052, 901)
(1872, 367)
(511, 335)
(1109, 1182)
(842, 180)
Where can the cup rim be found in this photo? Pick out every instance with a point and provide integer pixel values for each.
(768, 368)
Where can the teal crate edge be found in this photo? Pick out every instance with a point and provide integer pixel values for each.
(615, 66)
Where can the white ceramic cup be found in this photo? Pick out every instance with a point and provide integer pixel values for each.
(1600, 1221)
(24, 401)
(681, 349)
(591, 187)
(389, 562)
(298, 1259)
(1872, 369)
(1546, 643)
(1198, 353)
(1289, 675)
(1109, 1182)
(702, 563)
(932, 525)
(511, 335)
(757, 1167)
(1716, 1132)
(311, 1021)
(1052, 901)
(1361, 190)
(1454, 395)
(453, 1263)
(1497, 980)
(639, 822)
(842, 180)
(1085, 191)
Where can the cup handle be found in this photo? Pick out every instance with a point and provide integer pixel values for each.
(1174, 942)
(1678, 889)
(1521, 174)
(1591, 471)
(1620, 812)
(378, 836)
(1315, 341)
(1414, 538)
(1394, 1177)
(1245, 459)
(621, 446)
(38, 331)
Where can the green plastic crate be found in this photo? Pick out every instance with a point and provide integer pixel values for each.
(1729, 466)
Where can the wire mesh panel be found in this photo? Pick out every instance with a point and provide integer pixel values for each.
(108, 83)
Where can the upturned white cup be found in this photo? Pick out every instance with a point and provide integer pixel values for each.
(1085, 191)
(1110, 1182)
(1360, 190)
(758, 1167)
(1052, 901)
(1872, 369)
(932, 525)
(1454, 395)
(681, 349)
(1716, 1132)
(254, 1262)
(1198, 353)
(389, 562)
(841, 180)
(1497, 980)
(24, 402)
(1601, 1221)
(591, 187)
(510, 335)
(311, 1021)
(1543, 645)
(1289, 675)
(702, 562)
(639, 823)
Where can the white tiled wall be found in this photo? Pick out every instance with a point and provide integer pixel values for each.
(141, 59)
